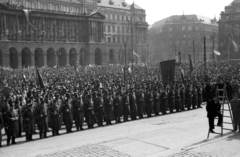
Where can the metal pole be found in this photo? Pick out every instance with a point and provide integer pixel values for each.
(205, 55)
(132, 40)
(124, 69)
(194, 58)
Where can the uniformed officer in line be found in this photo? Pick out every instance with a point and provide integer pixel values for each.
(200, 99)
(117, 106)
(42, 119)
(55, 114)
(183, 98)
(140, 103)
(67, 115)
(156, 106)
(126, 106)
(28, 118)
(188, 97)
(1, 125)
(78, 111)
(149, 102)
(164, 100)
(171, 99)
(99, 109)
(177, 99)
(133, 105)
(108, 104)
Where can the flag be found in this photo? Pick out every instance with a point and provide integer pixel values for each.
(39, 79)
(24, 77)
(180, 58)
(168, 71)
(129, 70)
(136, 54)
(233, 42)
(217, 52)
(235, 45)
(190, 63)
(182, 73)
(26, 13)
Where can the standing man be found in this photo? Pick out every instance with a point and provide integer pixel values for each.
(140, 103)
(67, 115)
(55, 115)
(28, 116)
(213, 110)
(42, 119)
(78, 112)
(117, 105)
(126, 107)
(235, 106)
(1, 125)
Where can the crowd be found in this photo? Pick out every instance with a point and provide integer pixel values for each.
(99, 95)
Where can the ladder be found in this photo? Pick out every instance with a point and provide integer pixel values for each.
(222, 98)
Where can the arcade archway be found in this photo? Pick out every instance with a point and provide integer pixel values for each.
(1, 58)
(13, 54)
(39, 60)
(26, 58)
(98, 56)
(73, 57)
(51, 61)
(62, 57)
(112, 57)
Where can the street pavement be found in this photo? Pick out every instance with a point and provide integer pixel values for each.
(181, 134)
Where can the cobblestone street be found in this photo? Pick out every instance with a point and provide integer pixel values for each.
(87, 151)
(193, 154)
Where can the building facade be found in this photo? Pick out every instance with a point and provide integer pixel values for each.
(229, 29)
(60, 32)
(183, 33)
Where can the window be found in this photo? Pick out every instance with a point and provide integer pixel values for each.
(183, 28)
(114, 39)
(109, 28)
(227, 17)
(109, 39)
(106, 16)
(111, 17)
(118, 29)
(113, 28)
(189, 28)
(196, 28)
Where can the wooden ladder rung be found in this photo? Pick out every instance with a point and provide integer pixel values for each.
(227, 123)
(227, 129)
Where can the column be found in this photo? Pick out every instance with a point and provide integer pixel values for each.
(56, 57)
(27, 35)
(19, 60)
(24, 31)
(1, 23)
(4, 27)
(30, 32)
(17, 28)
(55, 30)
(11, 29)
(78, 56)
(43, 34)
(32, 59)
(51, 29)
(67, 55)
(66, 31)
(45, 59)
(39, 28)
(76, 31)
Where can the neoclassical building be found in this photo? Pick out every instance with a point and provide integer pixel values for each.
(183, 33)
(68, 33)
(229, 28)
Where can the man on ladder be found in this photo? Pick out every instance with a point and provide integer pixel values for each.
(213, 110)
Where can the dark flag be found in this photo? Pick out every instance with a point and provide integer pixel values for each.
(190, 62)
(39, 79)
(168, 71)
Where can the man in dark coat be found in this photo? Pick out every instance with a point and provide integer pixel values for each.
(149, 102)
(164, 101)
(28, 116)
(126, 106)
(99, 109)
(171, 100)
(117, 105)
(140, 103)
(78, 112)
(213, 110)
(1, 126)
(133, 105)
(89, 111)
(108, 104)
(55, 114)
(67, 115)
(156, 106)
(183, 98)
(42, 119)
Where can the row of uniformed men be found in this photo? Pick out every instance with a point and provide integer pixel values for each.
(92, 107)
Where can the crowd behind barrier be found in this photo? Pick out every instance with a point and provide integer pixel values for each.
(101, 95)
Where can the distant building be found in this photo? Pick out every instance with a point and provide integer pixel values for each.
(182, 33)
(70, 32)
(229, 28)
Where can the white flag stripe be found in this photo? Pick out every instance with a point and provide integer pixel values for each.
(217, 52)
(235, 45)
(135, 54)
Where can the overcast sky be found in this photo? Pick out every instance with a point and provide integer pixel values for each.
(160, 9)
